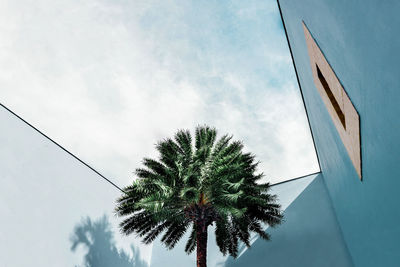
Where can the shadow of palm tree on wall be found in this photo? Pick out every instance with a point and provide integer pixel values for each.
(97, 237)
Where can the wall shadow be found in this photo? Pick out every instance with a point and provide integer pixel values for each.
(310, 236)
(98, 240)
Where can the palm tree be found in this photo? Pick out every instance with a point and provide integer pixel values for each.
(195, 187)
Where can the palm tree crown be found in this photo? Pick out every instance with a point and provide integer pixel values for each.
(193, 187)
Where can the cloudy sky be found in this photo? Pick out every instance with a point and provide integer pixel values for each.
(107, 79)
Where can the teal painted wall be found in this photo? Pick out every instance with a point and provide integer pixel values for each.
(360, 41)
(309, 237)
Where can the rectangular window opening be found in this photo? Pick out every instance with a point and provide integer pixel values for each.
(331, 97)
(336, 101)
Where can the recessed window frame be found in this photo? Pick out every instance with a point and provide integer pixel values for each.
(340, 108)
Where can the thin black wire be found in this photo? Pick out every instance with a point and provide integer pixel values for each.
(97, 172)
(57, 144)
(293, 179)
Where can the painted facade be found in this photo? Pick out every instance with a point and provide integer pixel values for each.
(331, 219)
(360, 41)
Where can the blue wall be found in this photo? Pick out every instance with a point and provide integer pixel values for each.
(360, 41)
(309, 237)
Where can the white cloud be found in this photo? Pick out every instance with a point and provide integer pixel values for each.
(107, 79)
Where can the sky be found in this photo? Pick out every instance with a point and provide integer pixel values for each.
(107, 79)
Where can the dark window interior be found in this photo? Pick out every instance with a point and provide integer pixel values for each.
(331, 97)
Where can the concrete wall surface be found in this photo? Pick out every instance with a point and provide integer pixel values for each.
(54, 210)
(360, 41)
(309, 237)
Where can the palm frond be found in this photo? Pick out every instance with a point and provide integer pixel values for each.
(199, 181)
(191, 243)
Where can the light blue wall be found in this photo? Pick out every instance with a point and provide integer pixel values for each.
(360, 40)
(309, 237)
(54, 210)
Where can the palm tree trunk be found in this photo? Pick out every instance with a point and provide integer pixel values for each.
(201, 242)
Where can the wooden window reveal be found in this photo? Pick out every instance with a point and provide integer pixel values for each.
(345, 117)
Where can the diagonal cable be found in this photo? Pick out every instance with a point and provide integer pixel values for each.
(66, 150)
